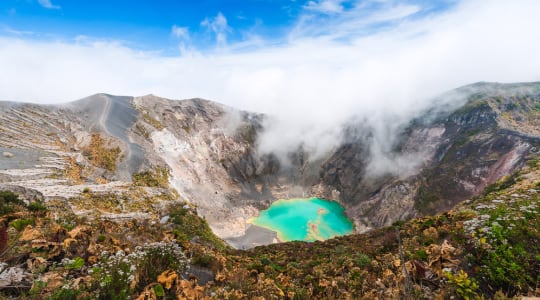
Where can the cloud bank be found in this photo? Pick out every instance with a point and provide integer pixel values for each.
(382, 68)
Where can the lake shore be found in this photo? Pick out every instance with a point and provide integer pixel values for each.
(254, 236)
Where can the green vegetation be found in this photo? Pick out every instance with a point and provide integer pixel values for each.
(188, 225)
(159, 177)
(158, 289)
(119, 275)
(76, 263)
(20, 224)
(8, 202)
(425, 199)
(37, 207)
(507, 236)
(502, 184)
(465, 287)
(65, 294)
(36, 289)
(111, 279)
(362, 260)
(205, 260)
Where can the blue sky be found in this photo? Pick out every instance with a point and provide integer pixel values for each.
(203, 24)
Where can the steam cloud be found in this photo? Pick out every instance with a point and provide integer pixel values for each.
(313, 84)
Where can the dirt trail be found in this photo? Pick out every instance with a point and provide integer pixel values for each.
(114, 115)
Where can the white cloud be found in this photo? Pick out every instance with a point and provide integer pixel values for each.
(325, 6)
(12, 31)
(394, 12)
(311, 85)
(180, 32)
(362, 18)
(218, 25)
(47, 4)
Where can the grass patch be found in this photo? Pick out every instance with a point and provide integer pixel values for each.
(100, 155)
(156, 178)
(188, 225)
(37, 207)
(20, 224)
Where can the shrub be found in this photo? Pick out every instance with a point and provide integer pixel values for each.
(158, 289)
(37, 288)
(189, 225)
(111, 279)
(205, 260)
(101, 238)
(8, 202)
(465, 287)
(362, 260)
(115, 273)
(65, 294)
(157, 258)
(421, 254)
(76, 263)
(20, 224)
(509, 264)
(37, 207)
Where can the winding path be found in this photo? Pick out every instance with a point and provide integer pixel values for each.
(114, 115)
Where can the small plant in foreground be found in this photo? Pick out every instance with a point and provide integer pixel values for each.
(36, 207)
(119, 275)
(75, 263)
(464, 286)
(8, 201)
(20, 224)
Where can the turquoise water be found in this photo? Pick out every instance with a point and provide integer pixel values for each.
(304, 219)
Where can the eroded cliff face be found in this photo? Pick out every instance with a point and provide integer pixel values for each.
(458, 153)
(210, 152)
